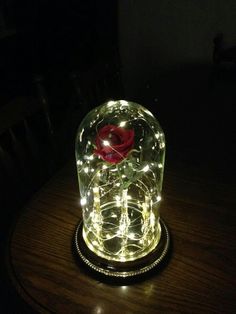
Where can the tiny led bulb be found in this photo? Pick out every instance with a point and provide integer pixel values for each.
(146, 168)
(122, 123)
(106, 143)
(83, 201)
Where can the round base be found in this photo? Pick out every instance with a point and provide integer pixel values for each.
(122, 269)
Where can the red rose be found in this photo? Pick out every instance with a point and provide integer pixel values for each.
(113, 143)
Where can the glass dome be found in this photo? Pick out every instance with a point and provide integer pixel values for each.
(120, 151)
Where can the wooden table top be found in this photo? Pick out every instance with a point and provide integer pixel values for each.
(199, 277)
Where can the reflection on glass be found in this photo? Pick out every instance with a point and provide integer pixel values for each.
(120, 150)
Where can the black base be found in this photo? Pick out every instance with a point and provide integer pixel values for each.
(122, 269)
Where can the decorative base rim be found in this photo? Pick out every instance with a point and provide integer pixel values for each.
(122, 269)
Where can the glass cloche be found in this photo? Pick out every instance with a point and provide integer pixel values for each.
(120, 152)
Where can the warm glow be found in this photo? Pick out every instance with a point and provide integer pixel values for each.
(122, 123)
(120, 180)
(106, 143)
(91, 157)
(110, 103)
(162, 145)
(146, 168)
(83, 201)
(124, 103)
(123, 224)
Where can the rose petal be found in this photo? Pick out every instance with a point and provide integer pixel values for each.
(114, 153)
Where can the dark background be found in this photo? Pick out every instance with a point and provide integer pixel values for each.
(176, 58)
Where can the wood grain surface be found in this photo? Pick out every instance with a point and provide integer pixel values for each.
(199, 277)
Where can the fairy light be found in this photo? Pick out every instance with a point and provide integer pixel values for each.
(122, 124)
(132, 236)
(122, 259)
(118, 201)
(96, 198)
(146, 168)
(110, 103)
(113, 170)
(125, 202)
(83, 201)
(144, 212)
(122, 227)
(106, 143)
(91, 157)
(152, 220)
(121, 211)
(162, 145)
(95, 189)
(95, 243)
(125, 219)
(124, 103)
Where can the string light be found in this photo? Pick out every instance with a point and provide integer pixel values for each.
(110, 103)
(146, 168)
(83, 201)
(124, 103)
(162, 145)
(121, 207)
(106, 143)
(122, 123)
(130, 227)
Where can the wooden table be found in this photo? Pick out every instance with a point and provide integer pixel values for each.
(200, 275)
